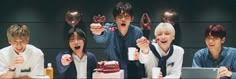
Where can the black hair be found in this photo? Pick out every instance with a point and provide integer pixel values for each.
(123, 7)
(80, 33)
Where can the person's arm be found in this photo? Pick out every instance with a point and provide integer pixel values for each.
(177, 67)
(197, 60)
(100, 33)
(61, 68)
(233, 69)
(4, 73)
(145, 57)
(233, 75)
(103, 37)
(7, 71)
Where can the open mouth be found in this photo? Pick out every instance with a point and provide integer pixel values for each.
(123, 24)
(19, 49)
(77, 47)
(163, 41)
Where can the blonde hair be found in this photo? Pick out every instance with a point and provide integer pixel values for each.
(164, 25)
(18, 31)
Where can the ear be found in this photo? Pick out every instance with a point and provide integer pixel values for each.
(223, 40)
(114, 18)
(132, 18)
(9, 41)
(27, 40)
(173, 38)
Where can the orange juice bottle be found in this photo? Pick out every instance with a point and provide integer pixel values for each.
(49, 71)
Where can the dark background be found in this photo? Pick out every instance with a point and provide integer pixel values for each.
(45, 19)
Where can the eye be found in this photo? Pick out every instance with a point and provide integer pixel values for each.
(167, 33)
(159, 34)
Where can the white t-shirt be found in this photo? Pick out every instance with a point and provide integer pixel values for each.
(33, 61)
(81, 66)
(173, 63)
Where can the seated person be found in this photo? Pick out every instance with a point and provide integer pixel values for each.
(77, 62)
(20, 59)
(216, 55)
(162, 54)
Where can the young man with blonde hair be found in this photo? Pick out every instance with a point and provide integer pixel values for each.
(162, 54)
(20, 59)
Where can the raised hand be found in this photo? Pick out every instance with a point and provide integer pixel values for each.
(96, 28)
(143, 44)
(19, 59)
(66, 59)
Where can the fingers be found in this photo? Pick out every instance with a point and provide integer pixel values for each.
(19, 59)
(66, 59)
(223, 71)
(136, 55)
(143, 44)
(96, 28)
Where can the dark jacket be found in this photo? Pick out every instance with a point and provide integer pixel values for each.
(69, 71)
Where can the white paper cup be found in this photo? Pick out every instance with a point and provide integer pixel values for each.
(131, 51)
(155, 72)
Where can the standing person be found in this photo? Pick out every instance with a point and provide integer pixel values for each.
(118, 40)
(216, 55)
(77, 62)
(20, 59)
(162, 54)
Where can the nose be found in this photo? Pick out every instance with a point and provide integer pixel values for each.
(18, 46)
(123, 18)
(76, 41)
(162, 36)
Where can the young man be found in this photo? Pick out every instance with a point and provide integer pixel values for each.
(162, 54)
(20, 60)
(216, 55)
(118, 40)
(76, 63)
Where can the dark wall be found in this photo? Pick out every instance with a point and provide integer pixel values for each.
(45, 19)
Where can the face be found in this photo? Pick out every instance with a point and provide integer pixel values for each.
(164, 38)
(18, 44)
(76, 43)
(123, 21)
(214, 43)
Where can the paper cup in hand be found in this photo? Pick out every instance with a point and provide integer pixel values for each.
(155, 72)
(131, 52)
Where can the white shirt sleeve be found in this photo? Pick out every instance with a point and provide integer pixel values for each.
(3, 63)
(3, 67)
(144, 58)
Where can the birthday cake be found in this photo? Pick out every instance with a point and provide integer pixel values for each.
(108, 69)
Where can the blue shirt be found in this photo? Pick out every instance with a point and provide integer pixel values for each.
(227, 58)
(117, 45)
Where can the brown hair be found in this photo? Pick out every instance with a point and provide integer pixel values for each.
(215, 30)
(18, 31)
